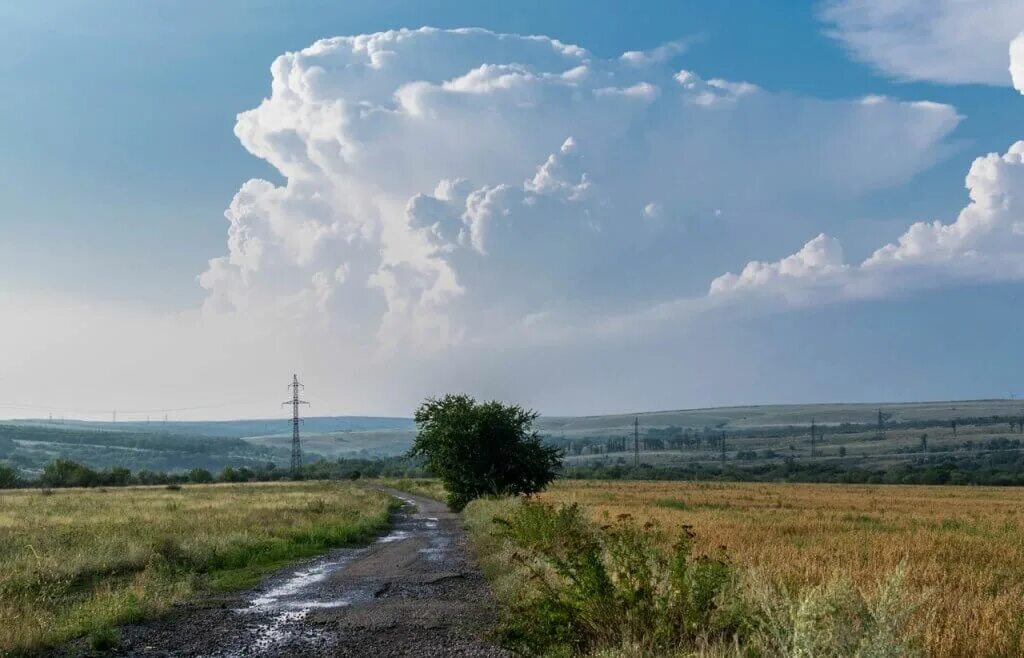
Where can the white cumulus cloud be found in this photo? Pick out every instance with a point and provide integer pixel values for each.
(820, 258)
(461, 181)
(985, 243)
(947, 41)
(1017, 62)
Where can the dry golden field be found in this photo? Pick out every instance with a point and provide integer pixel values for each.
(962, 547)
(80, 561)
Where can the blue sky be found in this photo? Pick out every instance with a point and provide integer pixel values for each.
(119, 158)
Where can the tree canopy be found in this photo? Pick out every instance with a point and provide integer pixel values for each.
(482, 449)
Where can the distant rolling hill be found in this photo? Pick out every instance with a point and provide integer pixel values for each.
(363, 443)
(776, 415)
(368, 436)
(325, 436)
(234, 429)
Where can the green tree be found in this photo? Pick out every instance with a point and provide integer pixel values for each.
(116, 477)
(482, 449)
(66, 473)
(200, 475)
(229, 474)
(8, 477)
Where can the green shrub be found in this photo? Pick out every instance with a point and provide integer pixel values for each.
(8, 477)
(605, 587)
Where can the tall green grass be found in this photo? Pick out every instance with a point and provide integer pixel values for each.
(79, 562)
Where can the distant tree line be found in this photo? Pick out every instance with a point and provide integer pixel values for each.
(984, 466)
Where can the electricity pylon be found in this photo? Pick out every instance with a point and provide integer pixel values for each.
(296, 446)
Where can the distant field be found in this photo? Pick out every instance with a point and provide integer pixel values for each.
(355, 443)
(849, 447)
(780, 415)
(229, 428)
(963, 547)
(978, 442)
(79, 561)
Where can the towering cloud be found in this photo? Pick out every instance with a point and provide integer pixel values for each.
(442, 186)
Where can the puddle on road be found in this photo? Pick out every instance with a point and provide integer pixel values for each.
(438, 542)
(397, 535)
(283, 594)
(280, 611)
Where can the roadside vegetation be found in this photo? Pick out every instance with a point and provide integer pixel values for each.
(79, 562)
(571, 587)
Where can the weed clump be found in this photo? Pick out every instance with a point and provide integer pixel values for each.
(610, 586)
(833, 620)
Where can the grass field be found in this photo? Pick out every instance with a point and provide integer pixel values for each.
(80, 561)
(962, 547)
(375, 442)
(781, 415)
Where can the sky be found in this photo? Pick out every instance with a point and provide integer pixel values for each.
(585, 207)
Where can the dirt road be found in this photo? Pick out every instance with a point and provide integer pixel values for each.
(414, 592)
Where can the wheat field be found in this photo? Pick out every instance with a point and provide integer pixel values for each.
(962, 547)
